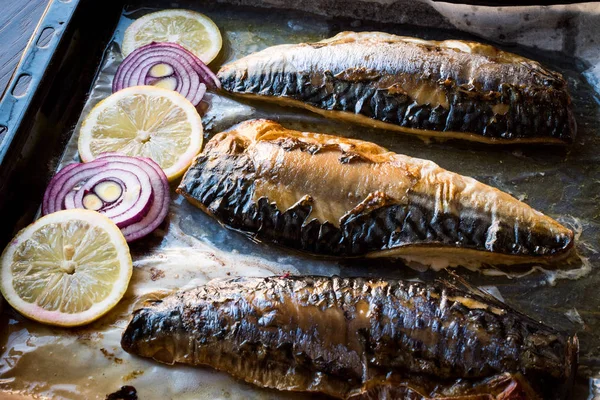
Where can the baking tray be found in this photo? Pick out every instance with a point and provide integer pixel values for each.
(68, 67)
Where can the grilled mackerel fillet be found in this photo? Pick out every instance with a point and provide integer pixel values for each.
(452, 89)
(356, 338)
(341, 197)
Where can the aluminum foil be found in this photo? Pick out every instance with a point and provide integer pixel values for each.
(191, 248)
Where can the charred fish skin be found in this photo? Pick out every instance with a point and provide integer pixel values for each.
(338, 197)
(346, 337)
(452, 89)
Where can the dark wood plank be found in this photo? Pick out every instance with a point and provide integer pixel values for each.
(18, 19)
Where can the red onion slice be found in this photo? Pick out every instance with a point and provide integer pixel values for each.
(160, 204)
(71, 180)
(136, 193)
(49, 197)
(158, 210)
(132, 191)
(207, 76)
(190, 75)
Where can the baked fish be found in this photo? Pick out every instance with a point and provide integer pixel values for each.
(448, 89)
(340, 197)
(354, 338)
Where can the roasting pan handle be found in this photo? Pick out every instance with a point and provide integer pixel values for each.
(26, 78)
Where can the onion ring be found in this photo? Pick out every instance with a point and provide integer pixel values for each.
(136, 192)
(180, 70)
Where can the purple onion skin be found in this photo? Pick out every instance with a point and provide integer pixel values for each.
(210, 80)
(191, 74)
(140, 221)
(48, 195)
(58, 188)
(160, 204)
(133, 209)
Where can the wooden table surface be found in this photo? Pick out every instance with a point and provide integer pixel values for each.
(18, 19)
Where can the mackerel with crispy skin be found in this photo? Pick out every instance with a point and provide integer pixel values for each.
(356, 338)
(448, 89)
(340, 197)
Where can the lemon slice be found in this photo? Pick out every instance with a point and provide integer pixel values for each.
(67, 268)
(193, 31)
(144, 121)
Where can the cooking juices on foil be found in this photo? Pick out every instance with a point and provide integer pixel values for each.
(194, 248)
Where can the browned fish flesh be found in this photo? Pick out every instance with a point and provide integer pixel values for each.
(340, 197)
(448, 89)
(356, 338)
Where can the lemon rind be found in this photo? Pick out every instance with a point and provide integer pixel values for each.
(129, 44)
(57, 318)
